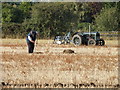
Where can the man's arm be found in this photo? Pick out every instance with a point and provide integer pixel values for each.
(29, 38)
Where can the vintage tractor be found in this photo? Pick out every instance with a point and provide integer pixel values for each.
(87, 38)
(78, 38)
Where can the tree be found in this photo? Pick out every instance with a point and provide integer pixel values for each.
(6, 13)
(51, 18)
(16, 12)
(108, 20)
(10, 13)
(25, 7)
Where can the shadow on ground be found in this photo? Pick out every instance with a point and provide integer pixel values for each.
(38, 53)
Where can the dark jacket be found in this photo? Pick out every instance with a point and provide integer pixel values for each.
(32, 34)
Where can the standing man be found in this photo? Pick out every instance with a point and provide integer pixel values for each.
(31, 37)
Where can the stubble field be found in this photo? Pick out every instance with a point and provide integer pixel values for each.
(49, 67)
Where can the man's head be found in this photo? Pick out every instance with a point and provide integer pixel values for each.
(33, 33)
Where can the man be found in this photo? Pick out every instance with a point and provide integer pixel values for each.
(31, 37)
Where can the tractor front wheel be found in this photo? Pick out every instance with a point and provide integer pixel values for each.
(101, 42)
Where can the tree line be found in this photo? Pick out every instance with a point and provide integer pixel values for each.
(58, 18)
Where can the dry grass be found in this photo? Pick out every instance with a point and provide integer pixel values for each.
(112, 42)
(23, 42)
(49, 67)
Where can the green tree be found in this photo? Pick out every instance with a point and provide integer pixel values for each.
(109, 4)
(108, 20)
(52, 18)
(16, 12)
(10, 13)
(6, 13)
(25, 7)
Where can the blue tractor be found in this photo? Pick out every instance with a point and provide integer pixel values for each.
(87, 38)
(79, 38)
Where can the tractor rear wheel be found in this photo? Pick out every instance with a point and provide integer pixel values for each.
(76, 40)
(91, 42)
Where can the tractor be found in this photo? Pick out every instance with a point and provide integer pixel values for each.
(87, 38)
(79, 38)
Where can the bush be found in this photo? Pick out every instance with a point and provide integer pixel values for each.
(12, 30)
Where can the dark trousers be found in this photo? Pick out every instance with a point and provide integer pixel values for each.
(30, 47)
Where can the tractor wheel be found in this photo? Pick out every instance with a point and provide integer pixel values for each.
(91, 42)
(76, 40)
(101, 42)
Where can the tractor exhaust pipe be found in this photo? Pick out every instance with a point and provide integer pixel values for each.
(89, 30)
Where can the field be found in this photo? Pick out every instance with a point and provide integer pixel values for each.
(48, 66)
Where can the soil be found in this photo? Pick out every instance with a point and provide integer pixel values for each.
(48, 66)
